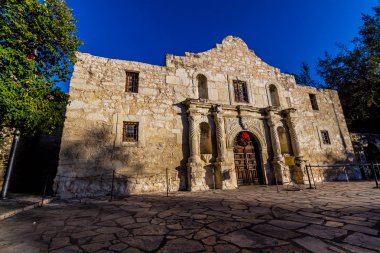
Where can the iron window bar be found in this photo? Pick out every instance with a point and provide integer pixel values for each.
(240, 90)
(132, 82)
(130, 131)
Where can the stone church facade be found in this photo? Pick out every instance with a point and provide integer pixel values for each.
(215, 119)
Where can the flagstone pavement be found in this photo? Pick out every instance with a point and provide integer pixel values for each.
(338, 217)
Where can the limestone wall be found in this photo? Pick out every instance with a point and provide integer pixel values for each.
(92, 136)
(310, 123)
(231, 60)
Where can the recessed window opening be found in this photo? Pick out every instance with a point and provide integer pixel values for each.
(205, 138)
(132, 82)
(283, 140)
(325, 137)
(313, 101)
(275, 101)
(202, 86)
(130, 131)
(240, 90)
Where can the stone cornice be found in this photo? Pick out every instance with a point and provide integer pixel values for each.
(207, 104)
(287, 111)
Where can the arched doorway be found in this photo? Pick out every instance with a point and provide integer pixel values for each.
(247, 159)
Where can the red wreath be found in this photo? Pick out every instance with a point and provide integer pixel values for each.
(31, 54)
(244, 138)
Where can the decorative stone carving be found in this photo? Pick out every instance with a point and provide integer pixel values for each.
(290, 120)
(196, 172)
(248, 121)
(193, 139)
(274, 136)
(231, 123)
(300, 163)
(235, 128)
(275, 141)
(281, 171)
(207, 158)
(220, 136)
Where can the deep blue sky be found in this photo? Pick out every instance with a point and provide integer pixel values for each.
(282, 33)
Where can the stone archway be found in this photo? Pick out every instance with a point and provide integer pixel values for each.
(247, 159)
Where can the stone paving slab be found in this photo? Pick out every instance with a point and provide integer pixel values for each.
(338, 217)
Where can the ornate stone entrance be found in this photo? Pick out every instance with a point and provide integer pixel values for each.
(247, 159)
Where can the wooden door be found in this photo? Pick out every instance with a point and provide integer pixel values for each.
(245, 165)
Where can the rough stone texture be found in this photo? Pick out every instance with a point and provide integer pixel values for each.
(316, 245)
(253, 218)
(6, 138)
(363, 240)
(169, 112)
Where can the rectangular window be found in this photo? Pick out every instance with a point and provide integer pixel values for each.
(130, 131)
(132, 82)
(241, 92)
(325, 137)
(313, 101)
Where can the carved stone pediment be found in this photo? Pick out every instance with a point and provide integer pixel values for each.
(247, 121)
(255, 126)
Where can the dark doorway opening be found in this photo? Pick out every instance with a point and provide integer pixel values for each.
(36, 165)
(247, 158)
(372, 154)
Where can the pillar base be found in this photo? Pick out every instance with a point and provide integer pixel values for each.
(298, 171)
(196, 176)
(225, 176)
(281, 171)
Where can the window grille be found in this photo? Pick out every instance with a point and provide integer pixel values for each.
(313, 101)
(132, 82)
(240, 90)
(325, 137)
(130, 131)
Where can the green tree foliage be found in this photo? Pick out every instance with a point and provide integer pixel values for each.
(304, 76)
(355, 73)
(37, 47)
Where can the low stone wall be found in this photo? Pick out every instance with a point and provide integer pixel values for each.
(6, 138)
(71, 186)
(332, 174)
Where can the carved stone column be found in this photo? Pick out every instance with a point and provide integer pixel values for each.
(274, 137)
(220, 136)
(195, 171)
(225, 175)
(291, 120)
(193, 139)
(281, 172)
